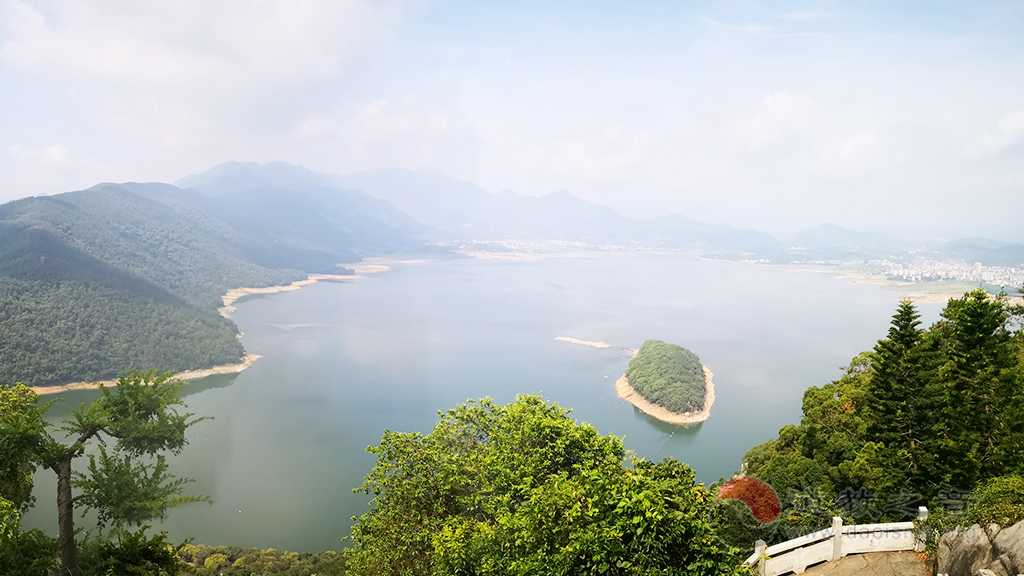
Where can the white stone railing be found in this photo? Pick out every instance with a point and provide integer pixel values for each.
(833, 544)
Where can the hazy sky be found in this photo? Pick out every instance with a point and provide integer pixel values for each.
(854, 113)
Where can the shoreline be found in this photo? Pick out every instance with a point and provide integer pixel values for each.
(232, 296)
(194, 374)
(919, 291)
(228, 301)
(601, 345)
(629, 394)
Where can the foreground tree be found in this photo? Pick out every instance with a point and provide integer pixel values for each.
(125, 484)
(896, 379)
(524, 489)
(922, 419)
(903, 398)
(984, 404)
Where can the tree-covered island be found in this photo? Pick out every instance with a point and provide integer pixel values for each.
(669, 383)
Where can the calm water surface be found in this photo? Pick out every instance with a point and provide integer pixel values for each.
(344, 362)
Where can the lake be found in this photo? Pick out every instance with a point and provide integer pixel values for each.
(344, 362)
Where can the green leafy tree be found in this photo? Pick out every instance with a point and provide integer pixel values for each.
(135, 423)
(131, 553)
(22, 553)
(9, 519)
(21, 429)
(524, 489)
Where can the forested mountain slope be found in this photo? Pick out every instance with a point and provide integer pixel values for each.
(66, 315)
(184, 251)
(117, 277)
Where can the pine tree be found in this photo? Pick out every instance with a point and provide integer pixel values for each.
(905, 397)
(895, 379)
(983, 393)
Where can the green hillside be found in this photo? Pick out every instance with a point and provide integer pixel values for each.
(184, 251)
(101, 281)
(668, 375)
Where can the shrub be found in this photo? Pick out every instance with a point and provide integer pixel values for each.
(130, 554)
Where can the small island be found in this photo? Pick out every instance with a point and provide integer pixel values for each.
(669, 383)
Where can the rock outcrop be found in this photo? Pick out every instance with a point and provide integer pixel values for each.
(966, 551)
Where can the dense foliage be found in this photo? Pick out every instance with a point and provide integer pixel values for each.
(922, 419)
(668, 375)
(130, 553)
(199, 560)
(126, 484)
(66, 331)
(997, 501)
(105, 281)
(524, 489)
(124, 228)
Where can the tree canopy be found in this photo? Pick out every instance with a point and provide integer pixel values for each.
(524, 489)
(126, 483)
(922, 419)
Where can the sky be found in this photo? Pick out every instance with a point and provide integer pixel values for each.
(899, 116)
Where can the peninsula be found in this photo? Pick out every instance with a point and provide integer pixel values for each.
(669, 383)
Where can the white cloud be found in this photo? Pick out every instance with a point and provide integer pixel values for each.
(50, 154)
(186, 41)
(416, 132)
(779, 119)
(1007, 133)
(31, 169)
(779, 116)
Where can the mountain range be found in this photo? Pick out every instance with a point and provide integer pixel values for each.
(454, 210)
(116, 277)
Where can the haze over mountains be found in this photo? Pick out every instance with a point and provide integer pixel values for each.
(160, 256)
(458, 210)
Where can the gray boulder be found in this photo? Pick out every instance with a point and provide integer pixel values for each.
(966, 551)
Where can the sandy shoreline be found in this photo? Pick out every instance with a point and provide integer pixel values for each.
(247, 361)
(589, 343)
(228, 301)
(232, 296)
(627, 393)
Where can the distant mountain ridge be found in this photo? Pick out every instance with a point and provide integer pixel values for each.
(293, 217)
(458, 210)
(985, 251)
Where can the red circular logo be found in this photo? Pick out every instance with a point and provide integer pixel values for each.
(760, 498)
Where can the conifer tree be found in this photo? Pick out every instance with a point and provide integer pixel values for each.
(982, 389)
(895, 380)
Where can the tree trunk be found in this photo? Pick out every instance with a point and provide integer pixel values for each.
(66, 520)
